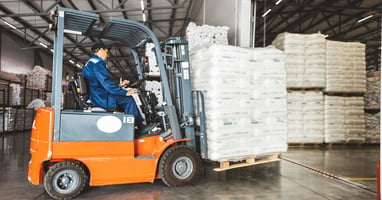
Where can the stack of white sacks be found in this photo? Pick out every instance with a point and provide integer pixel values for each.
(152, 61)
(305, 64)
(311, 62)
(156, 88)
(344, 119)
(346, 67)
(305, 117)
(205, 35)
(372, 102)
(305, 61)
(245, 100)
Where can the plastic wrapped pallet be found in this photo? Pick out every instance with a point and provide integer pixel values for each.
(205, 35)
(16, 94)
(40, 78)
(346, 67)
(245, 100)
(305, 117)
(373, 92)
(13, 119)
(344, 119)
(152, 61)
(156, 88)
(304, 58)
(372, 127)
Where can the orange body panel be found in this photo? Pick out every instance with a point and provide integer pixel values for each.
(40, 145)
(109, 162)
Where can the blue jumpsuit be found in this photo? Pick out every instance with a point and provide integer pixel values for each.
(104, 92)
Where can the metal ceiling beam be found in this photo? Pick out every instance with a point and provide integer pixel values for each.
(326, 18)
(122, 5)
(172, 16)
(25, 24)
(35, 9)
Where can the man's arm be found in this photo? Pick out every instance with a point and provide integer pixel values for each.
(104, 78)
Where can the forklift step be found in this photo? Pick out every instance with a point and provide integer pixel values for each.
(146, 157)
(252, 160)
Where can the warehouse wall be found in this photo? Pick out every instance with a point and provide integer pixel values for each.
(236, 15)
(14, 59)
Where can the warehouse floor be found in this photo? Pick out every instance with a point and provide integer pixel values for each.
(350, 173)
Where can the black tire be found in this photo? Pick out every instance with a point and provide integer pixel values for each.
(180, 165)
(65, 180)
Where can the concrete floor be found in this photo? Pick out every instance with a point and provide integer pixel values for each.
(353, 172)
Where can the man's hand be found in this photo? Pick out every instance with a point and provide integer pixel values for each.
(131, 91)
(123, 83)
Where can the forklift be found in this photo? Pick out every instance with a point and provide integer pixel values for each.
(72, 149)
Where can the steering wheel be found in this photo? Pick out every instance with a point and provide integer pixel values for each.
(135, 84)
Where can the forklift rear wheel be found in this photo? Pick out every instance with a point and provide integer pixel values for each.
(180, 165)
(65, 180)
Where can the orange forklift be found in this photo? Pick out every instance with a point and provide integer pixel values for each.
(72, 149)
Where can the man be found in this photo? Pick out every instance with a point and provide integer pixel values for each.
(103, 91)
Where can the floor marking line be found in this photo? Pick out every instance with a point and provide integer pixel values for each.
(331, 176)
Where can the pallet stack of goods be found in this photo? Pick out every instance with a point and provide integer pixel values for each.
(344, 119)
(40, 78)
(245, 100)
(335, 72)
(345, 89)
(205, 35)
(346, 67)
(372, 106)
(305, 116)
(305, 64)
(151, 59)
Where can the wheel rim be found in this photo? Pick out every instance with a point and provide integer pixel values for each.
(182, 167)
(66, 181)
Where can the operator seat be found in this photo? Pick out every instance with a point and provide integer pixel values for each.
(79, 88)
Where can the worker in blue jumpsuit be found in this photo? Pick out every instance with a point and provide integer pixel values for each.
(104, 92)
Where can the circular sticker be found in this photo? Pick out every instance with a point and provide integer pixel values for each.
(109, 124)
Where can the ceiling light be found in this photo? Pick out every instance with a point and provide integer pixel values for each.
(78, 65)
(266, 13)
(51, 50)
(144, 17)
(142, 5)
(8, 24)
(71, 61)
(43, 45)
(365, 18)
(278, 2)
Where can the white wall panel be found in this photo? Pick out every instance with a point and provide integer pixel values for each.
(13, 58)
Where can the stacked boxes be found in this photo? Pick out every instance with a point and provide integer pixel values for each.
(245, 100)
(12, 119)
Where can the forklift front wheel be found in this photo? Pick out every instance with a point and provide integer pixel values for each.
(65, 180)
(180, 165)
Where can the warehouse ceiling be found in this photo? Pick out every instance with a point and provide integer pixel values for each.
(343, 20)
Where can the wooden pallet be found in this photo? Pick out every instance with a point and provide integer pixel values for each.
(304, 145)
(344, 94)
(305, 89)
(253, 160)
